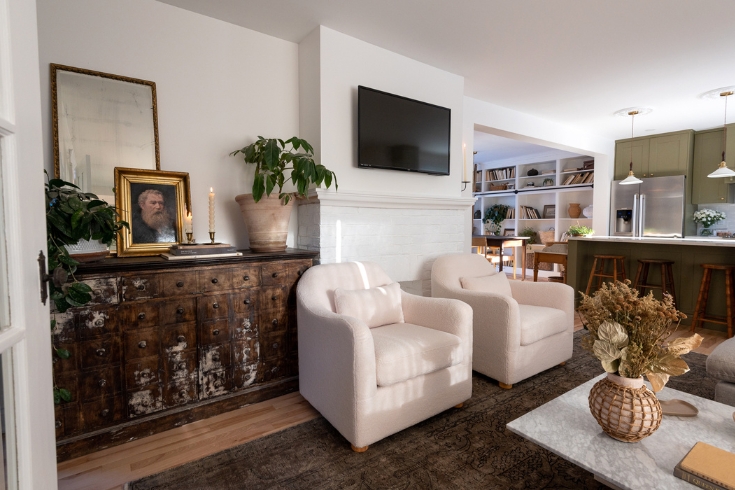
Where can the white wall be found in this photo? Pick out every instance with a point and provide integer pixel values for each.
(505, 122)
(219, 87)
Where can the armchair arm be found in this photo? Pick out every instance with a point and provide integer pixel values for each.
(549, 294)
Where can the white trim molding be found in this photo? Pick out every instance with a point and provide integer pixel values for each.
(330, 197)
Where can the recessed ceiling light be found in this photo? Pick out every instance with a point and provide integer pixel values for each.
(639, 111)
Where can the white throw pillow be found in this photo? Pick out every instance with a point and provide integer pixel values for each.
(496, 283)
(376, 307)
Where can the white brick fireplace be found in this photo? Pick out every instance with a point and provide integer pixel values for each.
(403, 234)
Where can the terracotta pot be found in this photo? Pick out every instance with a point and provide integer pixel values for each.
(266, 220)
(574, 210)
(625, 408)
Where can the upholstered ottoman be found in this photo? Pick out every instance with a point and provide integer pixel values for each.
(721, 365)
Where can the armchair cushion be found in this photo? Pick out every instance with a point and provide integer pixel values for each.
(540, 322)
(375, 306)
(494, 283)
(404, 351)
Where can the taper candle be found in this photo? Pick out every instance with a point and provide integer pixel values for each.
(464, 162)
(188, 228)
(211, 210)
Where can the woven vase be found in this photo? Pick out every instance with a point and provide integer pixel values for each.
(625, 408)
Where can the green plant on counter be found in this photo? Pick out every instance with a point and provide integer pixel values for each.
(272, 158)
(496, 213)
(580, 230)
(530, 233)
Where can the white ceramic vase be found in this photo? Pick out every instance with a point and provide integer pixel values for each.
(587, 212)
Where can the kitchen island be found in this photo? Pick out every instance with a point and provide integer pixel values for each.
(687, 254)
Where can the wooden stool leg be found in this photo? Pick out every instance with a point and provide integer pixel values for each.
(671, 289)
(646, 269)
(600, 271)
(615, 271)
(729, 293)
(701, 306)
(638, 275)
(622, 270)
(592, 278)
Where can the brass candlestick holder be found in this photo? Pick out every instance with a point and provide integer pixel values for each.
(211, 236)
(189, 237)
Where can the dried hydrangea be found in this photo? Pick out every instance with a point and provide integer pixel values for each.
(628, 333)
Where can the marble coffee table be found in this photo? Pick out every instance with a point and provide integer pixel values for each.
(566, 427)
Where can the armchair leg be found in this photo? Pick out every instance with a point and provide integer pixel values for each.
(459, 405)
(505, 386)
(563, 363)
(359, 449)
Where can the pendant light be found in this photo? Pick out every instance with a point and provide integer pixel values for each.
(631, 178)
(723, 170)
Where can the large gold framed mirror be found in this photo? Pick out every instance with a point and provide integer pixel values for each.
(101, 121)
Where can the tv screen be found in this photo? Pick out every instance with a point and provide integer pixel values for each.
(397, 133)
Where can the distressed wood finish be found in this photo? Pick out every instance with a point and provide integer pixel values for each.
(164, 344)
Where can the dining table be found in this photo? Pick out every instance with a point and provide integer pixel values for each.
(500, 242)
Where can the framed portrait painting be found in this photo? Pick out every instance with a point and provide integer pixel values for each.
(154, 204)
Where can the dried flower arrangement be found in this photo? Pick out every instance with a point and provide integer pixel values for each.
(628, 333)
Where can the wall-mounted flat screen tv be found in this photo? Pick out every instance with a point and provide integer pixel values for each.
(398, 133)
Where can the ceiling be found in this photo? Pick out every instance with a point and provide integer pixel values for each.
(490, 148)
(575, 62)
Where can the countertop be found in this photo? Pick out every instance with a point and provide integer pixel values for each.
(695, 240)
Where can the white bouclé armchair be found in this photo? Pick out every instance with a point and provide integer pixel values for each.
(370, 383)
(520, 328)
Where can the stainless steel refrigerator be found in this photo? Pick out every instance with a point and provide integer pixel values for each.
(652, 208)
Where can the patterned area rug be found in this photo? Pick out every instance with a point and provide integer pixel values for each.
(460, 448)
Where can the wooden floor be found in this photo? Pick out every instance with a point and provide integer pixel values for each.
(111, 468)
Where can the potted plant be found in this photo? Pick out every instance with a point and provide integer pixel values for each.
(707, 218)
(267, 222)
(629, 334)
(580, 230)
(530, 233)
(494, 215)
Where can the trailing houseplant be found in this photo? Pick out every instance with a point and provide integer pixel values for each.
(494, 215)
(629, 334)
(580, 230)
(72, 216)
(277, 162)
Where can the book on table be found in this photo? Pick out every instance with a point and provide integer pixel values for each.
(202, 249)
(169, 256)
(707, 466)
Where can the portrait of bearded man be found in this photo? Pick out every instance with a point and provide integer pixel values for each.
(153, 222)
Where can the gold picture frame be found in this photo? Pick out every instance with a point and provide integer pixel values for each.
(154, 203)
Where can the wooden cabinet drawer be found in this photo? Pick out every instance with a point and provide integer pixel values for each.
(273, 346)
(244, 328)
(178, 311)
(295, 271)
(244, 375)
(214, 306)
(65, 328)
(68, 381)
(214, 357)
(141, 315)
(245, 351)
(141, 372)
(246, 277)
(144, 286)
(99, 383)
(273, 274)
(179, 337)
(141, 343)
(214, 383)
(102, 412)
(214, 332)
(179, 393)
(272, 321)
(214, 280)
(100, 352)
(244, 303)
(180, 366)
(104, 290)
(273, 298)
(145, 401)
(97, 322)
(65, 365)
(179, 283)
(59, 421)
(272, 370)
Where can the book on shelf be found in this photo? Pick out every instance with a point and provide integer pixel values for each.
(707, 466)
(169, 256)
(527, 212)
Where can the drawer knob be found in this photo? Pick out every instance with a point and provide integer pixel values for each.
(275, 321)
(245, 278)
(275, 274)
(105, 412)
(274, 297)
(140, 287)
(247, 302)
(141, 316)
(215, 305)
(215, 331)
(58, 424)
(183, 393)
(102, 383)
(181, 338)
(181, 366)
(180, 310)
(99, 322)
(218, 383)
(101, 352)
(180, 284)
(215, 357)
(215, 281)
(142, 344)
(275, 345)
(299, 272)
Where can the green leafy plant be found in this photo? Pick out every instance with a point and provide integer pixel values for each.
(496, 213)
(580, 230)
(629, 333)
(273, 157)
(530, 233)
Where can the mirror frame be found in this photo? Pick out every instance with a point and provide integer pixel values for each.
(55, 112)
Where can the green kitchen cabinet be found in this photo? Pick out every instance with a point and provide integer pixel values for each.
(655, 156)
(635, 150)
(707, 157)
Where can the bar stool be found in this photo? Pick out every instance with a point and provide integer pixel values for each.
(599, 271)
(700, 311)
(667, 277)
